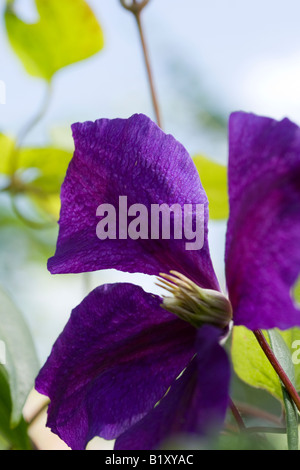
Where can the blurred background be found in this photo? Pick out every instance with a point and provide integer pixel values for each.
(208, 59)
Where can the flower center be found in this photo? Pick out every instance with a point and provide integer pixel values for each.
(194, 304)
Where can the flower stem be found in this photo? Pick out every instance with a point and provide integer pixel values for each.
(277, 367)
(136, 9)
(237, 416)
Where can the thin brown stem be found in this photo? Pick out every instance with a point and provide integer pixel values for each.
(277, 367)
(237, 416)
(149, 71)
(250, 410)
(136, 9)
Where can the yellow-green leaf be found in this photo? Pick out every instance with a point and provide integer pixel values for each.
(48, 165)
(40, 171)
(250, 363)
(6, 148)
(48, 168)
(67, 32)
(214, 180)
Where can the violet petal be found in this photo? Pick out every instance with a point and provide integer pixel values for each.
(263, 241)
(131, 158)
(195, 405)
(115, 359)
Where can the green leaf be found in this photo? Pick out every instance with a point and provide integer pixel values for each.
(214, 180)
(15, 438)
(21, 362)
(250, 363)
(67, 32)
(283, 355)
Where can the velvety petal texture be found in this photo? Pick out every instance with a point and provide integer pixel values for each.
(130, 158)
(115, 359)
(263, 236)
(195, 405)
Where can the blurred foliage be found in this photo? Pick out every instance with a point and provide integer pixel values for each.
(40, 173)
(21, 363)
(230, 440)
(6, 148)
(21, 244)
(214, 180)
(67, 32)
(11, 437)
(257, 441)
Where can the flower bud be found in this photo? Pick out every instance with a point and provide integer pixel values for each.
(194, 304)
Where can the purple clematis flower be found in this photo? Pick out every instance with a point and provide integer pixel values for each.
(130, 365)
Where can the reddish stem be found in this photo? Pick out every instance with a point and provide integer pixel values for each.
(277, 367)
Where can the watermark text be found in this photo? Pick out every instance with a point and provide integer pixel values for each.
(159, 222)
